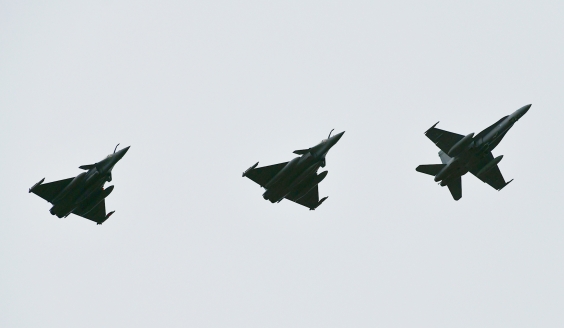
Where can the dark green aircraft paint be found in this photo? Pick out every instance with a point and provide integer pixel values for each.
(84, 194)
(297, 179)
(462, 154)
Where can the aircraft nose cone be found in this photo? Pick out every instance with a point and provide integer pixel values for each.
(122, 152)
(523, 110)
(334, 139)
(338, 136)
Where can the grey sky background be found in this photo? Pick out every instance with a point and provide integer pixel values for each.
(202, 90)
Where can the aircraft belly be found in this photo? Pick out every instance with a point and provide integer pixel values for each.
(289, 183)
(453, 170)
(70, 188)
(286, 177)
(89, 191)
(295, 183)
(282, 174)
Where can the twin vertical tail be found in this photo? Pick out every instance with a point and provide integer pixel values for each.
(454, 186)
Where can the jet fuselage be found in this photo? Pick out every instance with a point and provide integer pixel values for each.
(297, 179)
(85, 191)
(299, 175)
(466, 155)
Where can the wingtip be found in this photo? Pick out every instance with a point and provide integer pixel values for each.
(35, 185)
(319, 203)
(250, 169)
(505, 185)
(107, 217)
(434, 125)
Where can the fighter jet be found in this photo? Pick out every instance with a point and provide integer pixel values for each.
(84, 194)
(462, 154)
(297, 179)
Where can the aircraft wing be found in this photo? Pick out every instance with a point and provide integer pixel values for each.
(443, 139)
(309, 200)
(493, 176)
(97, 214)
(264, 174)
(50, 190)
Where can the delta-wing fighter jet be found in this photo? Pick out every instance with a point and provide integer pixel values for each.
(462, 154)
(297, 179)
(84, 194)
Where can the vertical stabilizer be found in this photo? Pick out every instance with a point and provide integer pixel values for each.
(455, 188)
(444, 157)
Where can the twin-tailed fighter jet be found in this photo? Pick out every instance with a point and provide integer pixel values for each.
(297, 179)
(462, 154)
(84, 194)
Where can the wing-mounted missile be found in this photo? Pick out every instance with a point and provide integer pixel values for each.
(250, 169)
(461, 145)
(37, 184)
(107, 217)
(319, 203)
(508, 182)
(434, 125)
(489, 166)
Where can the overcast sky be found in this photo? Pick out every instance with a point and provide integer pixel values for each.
(201, 90)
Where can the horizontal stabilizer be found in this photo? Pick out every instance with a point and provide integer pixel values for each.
(431, 169)
(301, 151)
